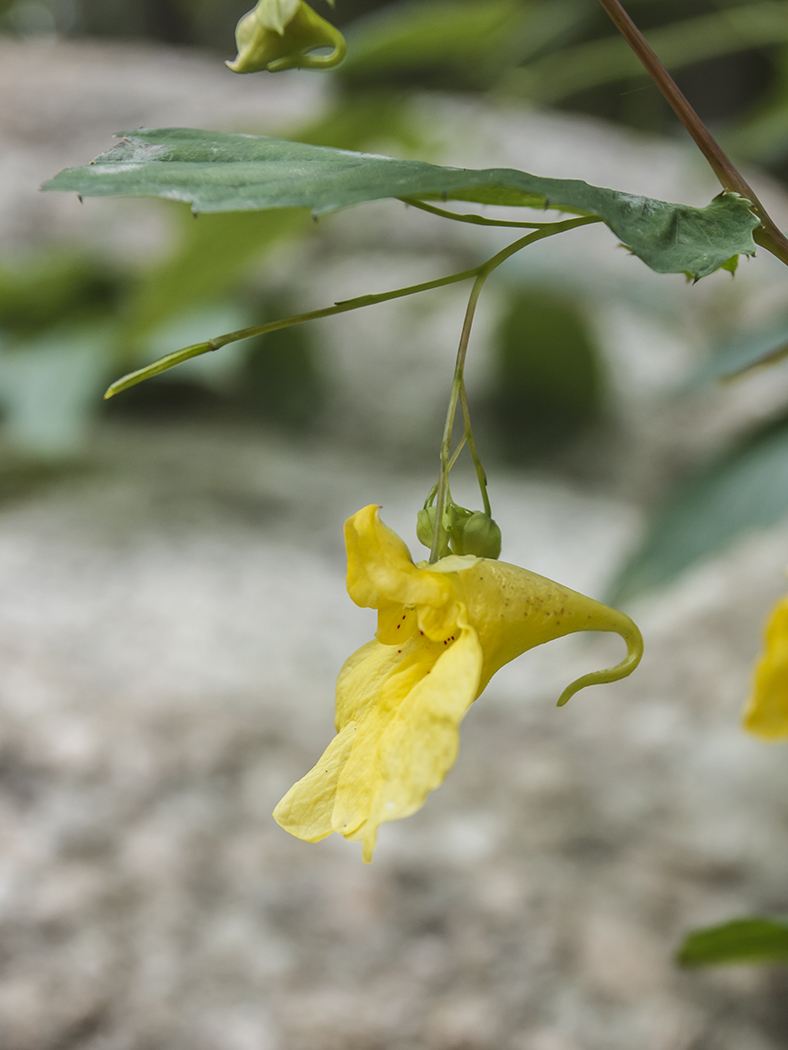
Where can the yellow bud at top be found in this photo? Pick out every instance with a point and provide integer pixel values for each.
(282, 34)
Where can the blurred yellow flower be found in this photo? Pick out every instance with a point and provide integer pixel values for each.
(766, 713)
(443, 632)
(282, 34)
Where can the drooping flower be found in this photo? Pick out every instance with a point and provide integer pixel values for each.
(283, 34)
(766, 713)
(443, 632)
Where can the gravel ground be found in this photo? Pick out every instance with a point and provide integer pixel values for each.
(171, 626)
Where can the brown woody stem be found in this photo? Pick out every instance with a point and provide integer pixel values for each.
(768, 235)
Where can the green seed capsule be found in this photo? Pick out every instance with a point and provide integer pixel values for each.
(425, 526)
(477, 534)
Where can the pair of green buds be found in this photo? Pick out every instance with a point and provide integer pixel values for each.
(465, 531)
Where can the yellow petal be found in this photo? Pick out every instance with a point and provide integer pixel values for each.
(406, 746)
(514, 610)
(384, 762)
(379, 566)
(767, 710)
(361, 680)
(396, 623)
(306, 810)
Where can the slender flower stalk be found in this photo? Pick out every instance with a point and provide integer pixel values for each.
(439, 541)
(177, 357)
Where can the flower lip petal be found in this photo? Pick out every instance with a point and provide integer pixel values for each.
(379, 566)
(451, 563)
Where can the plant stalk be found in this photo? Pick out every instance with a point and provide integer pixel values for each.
(768, 235)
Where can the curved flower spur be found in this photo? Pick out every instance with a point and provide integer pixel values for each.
(444, 629)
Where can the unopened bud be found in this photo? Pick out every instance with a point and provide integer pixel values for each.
(425, 526)
(478, 535)
(282, 34)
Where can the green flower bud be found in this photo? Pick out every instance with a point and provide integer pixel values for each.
(425, 526)
(477, 534)
(281, 34)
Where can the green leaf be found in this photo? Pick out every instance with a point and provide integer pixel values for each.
(743, 491)
(765, 346)
(212, 255)
(757, 940)
(222, 172)
(546, 379)
(572, 70)
(425, 34)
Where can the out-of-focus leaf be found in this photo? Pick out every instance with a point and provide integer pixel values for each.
(588, 65)
(49, 289)
(756, 349)
(758, 941)
(745, 490)
(761, 135)
(220, 172)
(282, 383)
(546, 383)
(50, 387)
(213, 253)
(430, 34)
(548, 27)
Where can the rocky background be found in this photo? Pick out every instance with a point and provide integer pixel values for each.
(173, 615)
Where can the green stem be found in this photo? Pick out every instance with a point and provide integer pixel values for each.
(768, 235)
(476, 220)
(196, 349)
(456, 453)
(439, 535)
(483, 272)
(481, 473)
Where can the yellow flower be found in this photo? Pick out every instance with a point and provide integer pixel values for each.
(766, 713)
(281, 34)
(443, 632)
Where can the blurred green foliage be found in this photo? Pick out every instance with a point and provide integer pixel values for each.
(756, 940)
(52, 290)
(745, 489)
(282, 381)
(728, 55)
(454, 43)
(547, 385)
